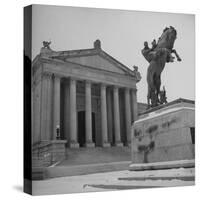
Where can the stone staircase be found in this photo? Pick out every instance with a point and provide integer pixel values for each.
(90, 160)
(96, 155)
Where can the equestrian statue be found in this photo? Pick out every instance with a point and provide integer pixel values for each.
(158, 55)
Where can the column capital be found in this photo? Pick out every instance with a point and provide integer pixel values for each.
(133, 89)
(103, 85)
(88, 82)
(72, 80)
(47, 74)
(127, 89)
(57, 76)
(115, 87)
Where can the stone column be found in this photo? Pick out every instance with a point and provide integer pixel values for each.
(134, 104)
(116, 117)
(45, 128)
(73, 115)
(88, 115)
(56, 105)
(104, 126)
(109, 100)
(128, 115)
(66, 111)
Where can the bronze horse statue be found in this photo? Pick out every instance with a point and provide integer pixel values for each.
(158, 56)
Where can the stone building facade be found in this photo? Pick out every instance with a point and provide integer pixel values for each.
(84, 97)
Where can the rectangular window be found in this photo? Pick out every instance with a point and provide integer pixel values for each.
(192, 132)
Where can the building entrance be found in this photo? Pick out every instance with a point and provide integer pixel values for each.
(81, 128)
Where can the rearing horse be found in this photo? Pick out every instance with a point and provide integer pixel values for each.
(157, 57)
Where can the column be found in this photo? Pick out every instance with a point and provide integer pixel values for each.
(128, 115)
(116, 117)
(73, 115)
(134, 104)
(104, 127)
(110, 120)
(88, 115)
(66, 110)
(56, 106)
(45, 127)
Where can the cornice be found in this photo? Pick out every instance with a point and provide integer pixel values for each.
(64, 55)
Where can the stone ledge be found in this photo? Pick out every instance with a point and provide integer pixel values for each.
(61, 171)
(106, 144)
(162, 165)
(119, 144)
(73, 144)
(90, 144)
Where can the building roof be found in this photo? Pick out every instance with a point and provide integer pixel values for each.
(71, 55)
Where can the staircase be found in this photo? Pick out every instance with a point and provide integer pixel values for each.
(91, 160)
(96, 155)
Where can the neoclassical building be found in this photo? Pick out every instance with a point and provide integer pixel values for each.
(84, 97)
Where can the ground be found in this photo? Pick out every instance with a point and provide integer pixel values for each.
(115, 181)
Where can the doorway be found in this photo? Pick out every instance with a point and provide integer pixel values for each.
(81, 128)
(93, 129)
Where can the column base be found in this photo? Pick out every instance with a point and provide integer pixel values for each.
(89, 144)
(106, 144)
(119, 144)
(73, 144)
(129, 144)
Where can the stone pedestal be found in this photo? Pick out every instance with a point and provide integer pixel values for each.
(89, 144)
(165, 134)
(105, 144)
(73, 144)
(57, 149)
(119, 144)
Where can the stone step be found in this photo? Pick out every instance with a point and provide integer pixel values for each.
(162, 165)
(75, 170)
(96, 155)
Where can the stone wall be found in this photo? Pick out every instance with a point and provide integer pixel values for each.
(164, 135)
(46, 153)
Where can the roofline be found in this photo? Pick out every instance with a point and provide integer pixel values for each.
(93, 51)
(83, 52)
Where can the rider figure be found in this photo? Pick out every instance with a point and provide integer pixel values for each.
(145, 51)
(154, 44)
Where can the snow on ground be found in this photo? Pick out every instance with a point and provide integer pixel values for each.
(115, 181)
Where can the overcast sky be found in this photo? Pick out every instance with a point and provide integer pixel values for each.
(122, 34)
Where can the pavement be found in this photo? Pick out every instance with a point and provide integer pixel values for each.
(118, 180)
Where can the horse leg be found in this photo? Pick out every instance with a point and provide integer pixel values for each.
(148, 98)
(176, 54)
(156, 88)
(158, 83)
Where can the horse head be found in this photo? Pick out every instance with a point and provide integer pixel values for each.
(167, 38)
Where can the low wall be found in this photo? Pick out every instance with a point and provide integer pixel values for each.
(45, 154)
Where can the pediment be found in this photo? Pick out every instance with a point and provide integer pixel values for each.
(98, 62)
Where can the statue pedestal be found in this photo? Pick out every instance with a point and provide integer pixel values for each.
(164, 134)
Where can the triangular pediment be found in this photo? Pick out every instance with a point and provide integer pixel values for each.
(98, 62)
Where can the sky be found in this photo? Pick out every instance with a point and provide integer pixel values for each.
(122, 34)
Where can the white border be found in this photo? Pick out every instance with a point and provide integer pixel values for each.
(11, 100)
